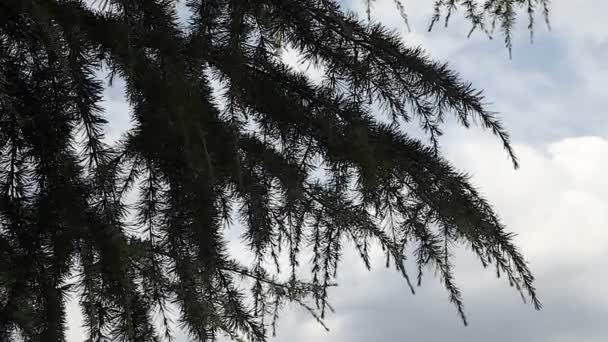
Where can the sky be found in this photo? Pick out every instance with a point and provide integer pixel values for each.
(552, 97)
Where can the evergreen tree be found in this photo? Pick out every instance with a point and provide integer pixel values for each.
(251, 155)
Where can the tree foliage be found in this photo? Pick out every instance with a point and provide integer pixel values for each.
(304, 168)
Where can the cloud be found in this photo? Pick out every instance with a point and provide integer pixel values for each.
(552, 98)
(580, 18)
(554, 203)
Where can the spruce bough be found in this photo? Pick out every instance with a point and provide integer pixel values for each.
(250, 156)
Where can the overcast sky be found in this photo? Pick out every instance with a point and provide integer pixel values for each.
(552, 97)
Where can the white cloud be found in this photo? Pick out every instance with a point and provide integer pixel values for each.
(581, 18)
(74, 317)
(556, 204)
(556, 201)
